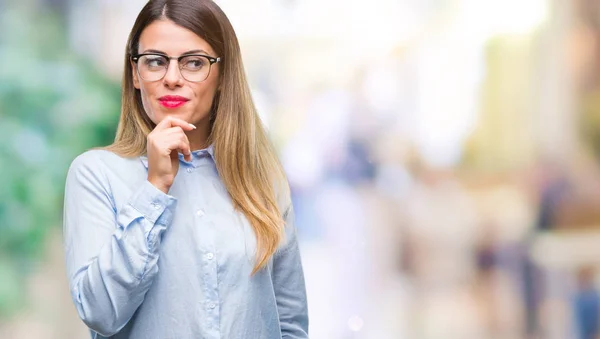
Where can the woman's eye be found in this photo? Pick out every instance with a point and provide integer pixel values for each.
(155, 62)
(193, 63)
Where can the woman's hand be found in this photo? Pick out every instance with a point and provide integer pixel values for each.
(164, 143)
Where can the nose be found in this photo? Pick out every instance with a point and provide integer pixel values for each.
(173, 77)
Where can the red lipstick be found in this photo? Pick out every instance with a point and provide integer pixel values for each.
(172, 101)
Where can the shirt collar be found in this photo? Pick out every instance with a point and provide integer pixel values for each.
(196, 155)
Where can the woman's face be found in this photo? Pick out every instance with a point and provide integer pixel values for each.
(173, 95)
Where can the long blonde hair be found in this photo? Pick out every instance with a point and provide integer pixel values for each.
(244, 156)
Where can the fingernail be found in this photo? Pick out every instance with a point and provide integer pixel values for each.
(194, 127)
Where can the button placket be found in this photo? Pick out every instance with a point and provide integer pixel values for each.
(211, 302)
(212, 295)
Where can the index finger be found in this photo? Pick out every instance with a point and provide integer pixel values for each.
(169, 122)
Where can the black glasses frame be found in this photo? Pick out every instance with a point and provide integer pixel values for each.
(211, 60)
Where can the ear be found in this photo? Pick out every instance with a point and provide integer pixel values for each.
(134, 75)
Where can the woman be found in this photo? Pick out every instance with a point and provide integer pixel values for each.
(183, 227)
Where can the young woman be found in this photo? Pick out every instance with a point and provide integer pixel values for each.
(183, 227)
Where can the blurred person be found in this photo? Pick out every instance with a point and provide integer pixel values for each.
(552, 187)
(553, 191)
(183, 227)
(487, 278)
(586, 305)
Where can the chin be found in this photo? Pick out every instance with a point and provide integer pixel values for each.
(174, 113)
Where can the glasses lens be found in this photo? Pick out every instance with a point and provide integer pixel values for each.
(152, 67)
(194, 68)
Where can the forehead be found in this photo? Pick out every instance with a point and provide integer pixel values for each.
(168, 37)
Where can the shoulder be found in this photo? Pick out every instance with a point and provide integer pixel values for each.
(286, 209)
(87, 166)
(88, 158)
(283, 197)
(87, 161)
(100, 159)
(96, 163)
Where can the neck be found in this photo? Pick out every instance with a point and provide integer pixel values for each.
(199, 137)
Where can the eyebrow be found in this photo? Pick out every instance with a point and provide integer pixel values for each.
(194, 51)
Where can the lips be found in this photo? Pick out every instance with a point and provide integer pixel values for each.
(172, 101)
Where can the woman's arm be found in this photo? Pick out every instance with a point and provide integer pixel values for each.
(111, 257)
(288, 281)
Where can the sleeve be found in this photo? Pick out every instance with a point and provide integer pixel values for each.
(288, 281)
(111, 257)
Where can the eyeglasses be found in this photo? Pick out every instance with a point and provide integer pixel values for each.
(193, 67)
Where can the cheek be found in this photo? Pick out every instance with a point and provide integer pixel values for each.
(205, 95)
(147, 102)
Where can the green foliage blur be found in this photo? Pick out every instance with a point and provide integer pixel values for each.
(53, 106)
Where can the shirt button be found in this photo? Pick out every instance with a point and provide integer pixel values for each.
(156, 206)
(189, 170)
(212, 305)
(210, 256)
(200, 213)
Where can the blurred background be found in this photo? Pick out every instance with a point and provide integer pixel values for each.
(444, 157)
